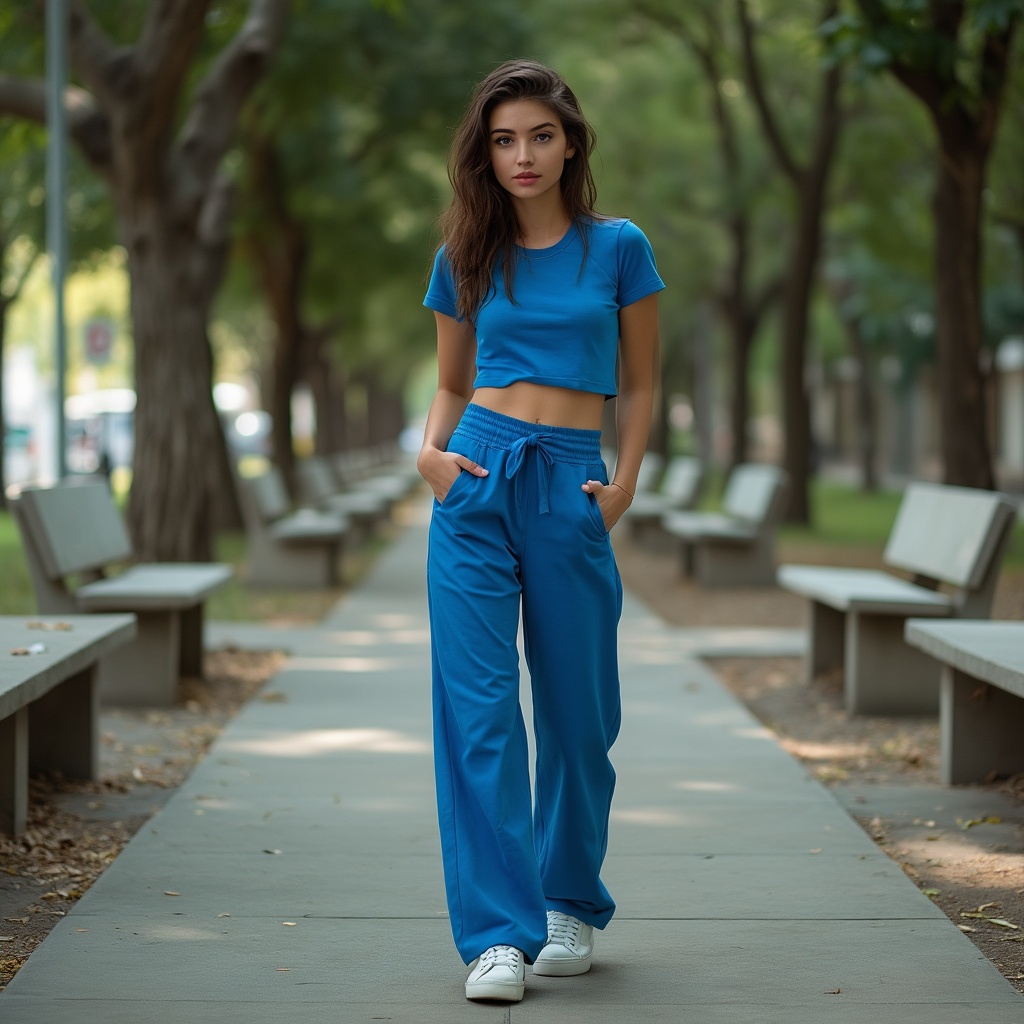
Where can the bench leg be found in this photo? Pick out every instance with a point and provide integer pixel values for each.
(64, 728)
(734, 565)
(191, 663)
(882, 674)
(311, 565)
(144, 673)
(980, 730)
(827, 629)
(686, 559)
(14, 772)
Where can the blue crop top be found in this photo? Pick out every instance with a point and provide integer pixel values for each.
(563, 329)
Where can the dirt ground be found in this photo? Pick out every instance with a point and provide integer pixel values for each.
(884, 770)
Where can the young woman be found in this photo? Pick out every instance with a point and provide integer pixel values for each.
(536, 298)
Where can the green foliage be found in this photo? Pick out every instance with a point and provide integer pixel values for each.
(880, 34)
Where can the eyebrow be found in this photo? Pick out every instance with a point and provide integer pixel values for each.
(511, 131)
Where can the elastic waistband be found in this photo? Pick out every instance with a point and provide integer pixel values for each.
(496, 430)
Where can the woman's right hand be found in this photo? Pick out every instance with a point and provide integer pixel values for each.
(440, 469)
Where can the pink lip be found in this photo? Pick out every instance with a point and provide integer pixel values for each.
(527, 177)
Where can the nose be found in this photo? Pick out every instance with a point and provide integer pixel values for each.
(524, 155)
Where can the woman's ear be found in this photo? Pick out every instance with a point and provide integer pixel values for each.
(570, 152)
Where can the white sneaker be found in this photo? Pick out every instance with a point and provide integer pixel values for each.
(569, 948)
(498, 973)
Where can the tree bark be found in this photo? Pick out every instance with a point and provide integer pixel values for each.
(171, 504)
(279, 248)
(385, 410)
(866, 405)
(327, 384)
(966, 445)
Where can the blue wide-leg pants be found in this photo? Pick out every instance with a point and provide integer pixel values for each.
(524, 537)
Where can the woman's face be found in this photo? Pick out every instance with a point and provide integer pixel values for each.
(528, 148)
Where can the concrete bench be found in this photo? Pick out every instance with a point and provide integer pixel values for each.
(981, 702)
(320, 488)
(49, 701)
(734, 547)
(286, 548)
(952, 536)
(385, 471)
(678, 489)
(73, 532)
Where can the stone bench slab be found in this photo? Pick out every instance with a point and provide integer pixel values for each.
(864, 590)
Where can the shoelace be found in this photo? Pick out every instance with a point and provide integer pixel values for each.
(563, 929)
(500, 956)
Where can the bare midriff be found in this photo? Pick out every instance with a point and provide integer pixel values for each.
(539, 403)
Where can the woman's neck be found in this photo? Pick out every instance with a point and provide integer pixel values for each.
(541, 225)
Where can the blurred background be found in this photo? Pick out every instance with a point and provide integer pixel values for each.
(834, 192)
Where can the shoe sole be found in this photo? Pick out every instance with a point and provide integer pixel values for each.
(495, 993)
(561, 968)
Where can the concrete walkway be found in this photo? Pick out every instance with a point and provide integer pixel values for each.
(296, 877)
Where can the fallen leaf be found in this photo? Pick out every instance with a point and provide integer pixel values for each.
(1003, 923)
(966, 928)
(275, 853)
(288, 924)
(168, 892)
(6, 938)
(965, 825)
(932, 892)
(282, 969)
(833, 991)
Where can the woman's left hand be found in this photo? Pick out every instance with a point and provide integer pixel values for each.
(611, 499)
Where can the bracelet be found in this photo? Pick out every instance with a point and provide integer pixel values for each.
(621, 488)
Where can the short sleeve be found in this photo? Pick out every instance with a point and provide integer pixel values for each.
(638, 273)
(440, 295)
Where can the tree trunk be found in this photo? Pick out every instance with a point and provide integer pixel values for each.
(741, 339)
(809, 183)
(279, 247)
(385, 410)
(957, 205)
(866, 406)
(179, 442)
(798, 457)
(328, 387)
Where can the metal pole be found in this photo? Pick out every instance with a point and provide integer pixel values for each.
(56, 188)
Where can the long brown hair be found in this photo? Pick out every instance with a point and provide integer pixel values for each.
(480, 225)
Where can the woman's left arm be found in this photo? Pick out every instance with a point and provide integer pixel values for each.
(638, 367)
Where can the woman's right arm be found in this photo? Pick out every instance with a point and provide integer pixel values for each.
(456, 358)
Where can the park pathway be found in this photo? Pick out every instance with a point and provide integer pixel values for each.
(295, 877)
